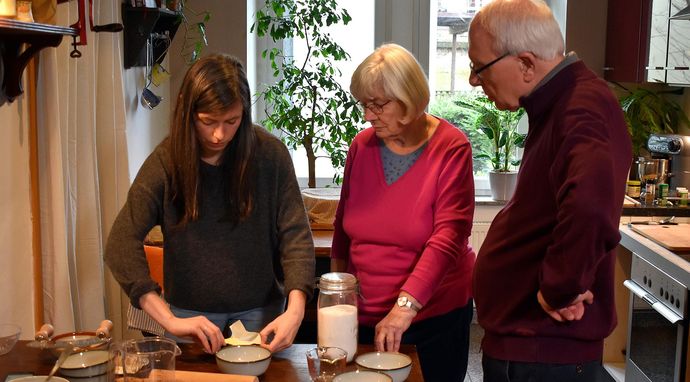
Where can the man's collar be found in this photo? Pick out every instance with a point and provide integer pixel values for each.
(569, 59)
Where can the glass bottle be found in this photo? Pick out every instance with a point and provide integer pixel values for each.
(337, 312)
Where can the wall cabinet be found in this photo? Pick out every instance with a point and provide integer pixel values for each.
(669, 43)
(627, 36)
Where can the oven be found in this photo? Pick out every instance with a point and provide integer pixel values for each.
(657, 349)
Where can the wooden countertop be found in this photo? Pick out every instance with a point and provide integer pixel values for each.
(323, 238)
(289, 365)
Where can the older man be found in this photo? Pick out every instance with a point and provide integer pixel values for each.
(543, 280)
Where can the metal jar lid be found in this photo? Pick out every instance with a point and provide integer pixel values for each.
(337, 281)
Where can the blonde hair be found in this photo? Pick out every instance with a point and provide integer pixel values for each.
(521, 26)
(397, 72)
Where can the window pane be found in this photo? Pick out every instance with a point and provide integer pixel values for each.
(357, 38)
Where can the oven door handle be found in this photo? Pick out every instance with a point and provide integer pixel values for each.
(657, 305)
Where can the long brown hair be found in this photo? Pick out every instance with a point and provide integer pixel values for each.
(212, 85)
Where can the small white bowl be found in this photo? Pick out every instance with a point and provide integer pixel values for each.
(85, 364)
(396, 365)
(9, 334)
(243, 360)
(39, 378)
(362, 376)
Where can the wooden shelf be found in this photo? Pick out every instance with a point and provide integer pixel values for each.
(32, 37)
(139, 24)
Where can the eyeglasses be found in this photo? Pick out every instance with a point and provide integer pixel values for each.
(376, 108)
(487, 66)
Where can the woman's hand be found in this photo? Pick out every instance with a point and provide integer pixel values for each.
(200, 328)
(284, 327)
(389, 331)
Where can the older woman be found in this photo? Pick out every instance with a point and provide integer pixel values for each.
(404, 218)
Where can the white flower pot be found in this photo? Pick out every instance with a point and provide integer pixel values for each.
(502, 184)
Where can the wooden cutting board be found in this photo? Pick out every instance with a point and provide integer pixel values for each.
(673, 237)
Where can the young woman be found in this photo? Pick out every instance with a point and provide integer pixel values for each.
(236, 236)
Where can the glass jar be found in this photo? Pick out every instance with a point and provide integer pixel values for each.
(634, 188)
(337, 312)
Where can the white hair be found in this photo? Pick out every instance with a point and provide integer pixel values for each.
(521, 26)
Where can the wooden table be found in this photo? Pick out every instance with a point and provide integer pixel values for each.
(289, 365)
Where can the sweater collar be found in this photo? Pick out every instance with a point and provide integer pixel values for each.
(561, 77)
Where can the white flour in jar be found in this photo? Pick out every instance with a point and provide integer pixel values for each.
(337, 326)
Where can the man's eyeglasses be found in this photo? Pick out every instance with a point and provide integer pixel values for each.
(487, 66)
(376, 108)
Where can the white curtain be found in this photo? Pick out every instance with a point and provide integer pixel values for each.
(83, 170)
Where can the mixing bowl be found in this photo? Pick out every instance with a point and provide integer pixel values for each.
(9, 334)
(396, 365)
(243, 360)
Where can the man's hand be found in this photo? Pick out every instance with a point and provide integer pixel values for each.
(573, 312)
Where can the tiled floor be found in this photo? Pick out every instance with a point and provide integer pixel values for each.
(474, 366)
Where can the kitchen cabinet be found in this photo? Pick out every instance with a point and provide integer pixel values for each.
(627, 36)
(669, 43)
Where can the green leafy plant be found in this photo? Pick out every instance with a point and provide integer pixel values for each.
(194, 31)
(650, 112)
(307, 104)
(499, 127)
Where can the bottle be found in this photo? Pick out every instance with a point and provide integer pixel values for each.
(337, 312)
(662, 194)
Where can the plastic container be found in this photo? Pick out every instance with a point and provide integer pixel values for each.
(683, 195)
(337, 312)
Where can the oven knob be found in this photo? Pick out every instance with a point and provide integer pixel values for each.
(673, 300)
(661, 292)
(644, 279)
(666, 295)
(678, 304)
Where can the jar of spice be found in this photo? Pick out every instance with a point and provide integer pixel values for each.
(634, 188)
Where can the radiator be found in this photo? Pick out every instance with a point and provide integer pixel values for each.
(479, 230)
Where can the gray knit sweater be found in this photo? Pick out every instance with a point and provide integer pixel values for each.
(209, 265)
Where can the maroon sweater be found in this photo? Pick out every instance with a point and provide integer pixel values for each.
(559, 232)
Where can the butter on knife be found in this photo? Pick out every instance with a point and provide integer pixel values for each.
(240, 335)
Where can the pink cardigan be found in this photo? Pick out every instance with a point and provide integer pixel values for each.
(411, 235)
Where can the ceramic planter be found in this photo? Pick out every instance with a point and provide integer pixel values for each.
(502, 184)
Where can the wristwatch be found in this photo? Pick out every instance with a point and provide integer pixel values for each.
(405, 302)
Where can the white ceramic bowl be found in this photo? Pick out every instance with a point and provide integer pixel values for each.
(39, 378)
(243, 360)
(85, 364)
(362, 376)
(396, 365)
(9, 334)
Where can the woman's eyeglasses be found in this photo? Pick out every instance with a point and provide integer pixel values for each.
(376, 108)
(487, 66)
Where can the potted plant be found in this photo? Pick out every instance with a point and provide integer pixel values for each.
(500, 128)
(307, 104)
(194, 29)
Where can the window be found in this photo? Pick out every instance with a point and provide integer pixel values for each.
(435, 31)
